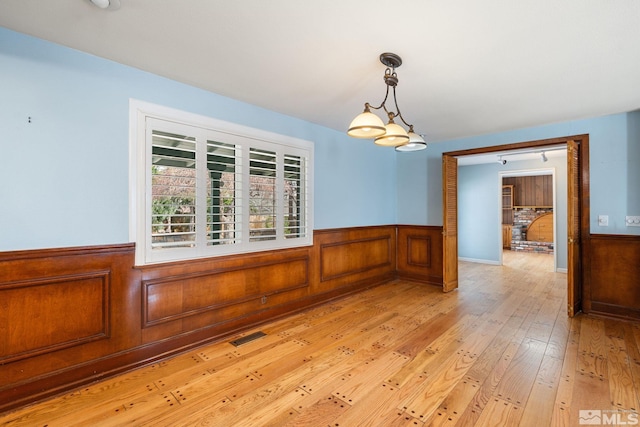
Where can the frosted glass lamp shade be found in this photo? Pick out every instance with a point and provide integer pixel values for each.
(107, 4)
(416, 143)
(395, 135)
(366, 125)
(102, 4)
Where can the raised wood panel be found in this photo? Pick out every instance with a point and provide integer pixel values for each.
(507, 236)
(175, 297)
(420, 253)
(420, 250)
(352, 257)
(613, 271)
(51, 314)
(61, 309)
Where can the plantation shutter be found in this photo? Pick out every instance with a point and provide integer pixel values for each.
(262, 195)
(173, 190)
(294, 200)
(224, 196)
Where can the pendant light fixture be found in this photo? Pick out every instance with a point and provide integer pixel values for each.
(369, 125)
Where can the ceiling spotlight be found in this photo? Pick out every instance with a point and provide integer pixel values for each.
(107, 4)
(501, 160)
(543, 157)
(368, 125)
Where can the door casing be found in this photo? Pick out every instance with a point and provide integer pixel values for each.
(578, 227)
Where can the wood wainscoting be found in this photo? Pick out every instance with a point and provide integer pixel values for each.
(420, 253)
(71, 316)
(612, 285)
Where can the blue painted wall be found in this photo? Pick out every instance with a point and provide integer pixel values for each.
(479, 202)
(614, 157)
(64, 176)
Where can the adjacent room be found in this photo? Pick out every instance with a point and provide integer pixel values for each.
(284, 213)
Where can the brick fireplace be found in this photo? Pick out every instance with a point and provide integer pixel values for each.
(522, 218)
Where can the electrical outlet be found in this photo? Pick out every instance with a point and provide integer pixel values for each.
(603, 220)
(633, 221)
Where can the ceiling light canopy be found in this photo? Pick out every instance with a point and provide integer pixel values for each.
(368, 125)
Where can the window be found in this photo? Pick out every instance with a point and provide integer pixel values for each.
(204, 187)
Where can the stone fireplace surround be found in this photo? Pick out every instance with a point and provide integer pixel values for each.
(522, 218)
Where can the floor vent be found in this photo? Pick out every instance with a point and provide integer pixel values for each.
(248, 338)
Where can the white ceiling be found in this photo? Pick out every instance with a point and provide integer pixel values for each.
(470, 67)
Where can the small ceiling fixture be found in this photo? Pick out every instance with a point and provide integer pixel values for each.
(543, 157)
(107, 4)
(368, 125)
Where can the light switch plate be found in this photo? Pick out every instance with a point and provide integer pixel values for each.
(633, 221)
(603, 220)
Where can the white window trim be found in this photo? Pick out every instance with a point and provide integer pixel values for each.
(139, 180)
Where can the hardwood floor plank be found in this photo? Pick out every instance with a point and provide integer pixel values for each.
(374, 407)
(550, 370)
(634, 360)
(358, 383)
(274, 414)
(561, 415)
(589, 393)
(623, 393)
(592, 340)
(322, 413)
(432, 351)
(442, 380)
(540, 403)
(515, 385)
(489, 381)
(592, 348)
(557, 344)
(400, 419)
(499, 413)
(456, 402)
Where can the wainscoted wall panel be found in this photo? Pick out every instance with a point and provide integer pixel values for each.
(76, 315)
(349, 257)
(69, 306)
(420, 253)
(336, 259)
(613, 276)
(44, 315)
(185, 295)
(420, 250)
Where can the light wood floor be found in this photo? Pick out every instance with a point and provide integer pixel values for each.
(499, 351)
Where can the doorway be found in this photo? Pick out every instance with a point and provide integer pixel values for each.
(531, 215)
(577, 209)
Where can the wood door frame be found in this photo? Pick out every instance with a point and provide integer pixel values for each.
(575, 293)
